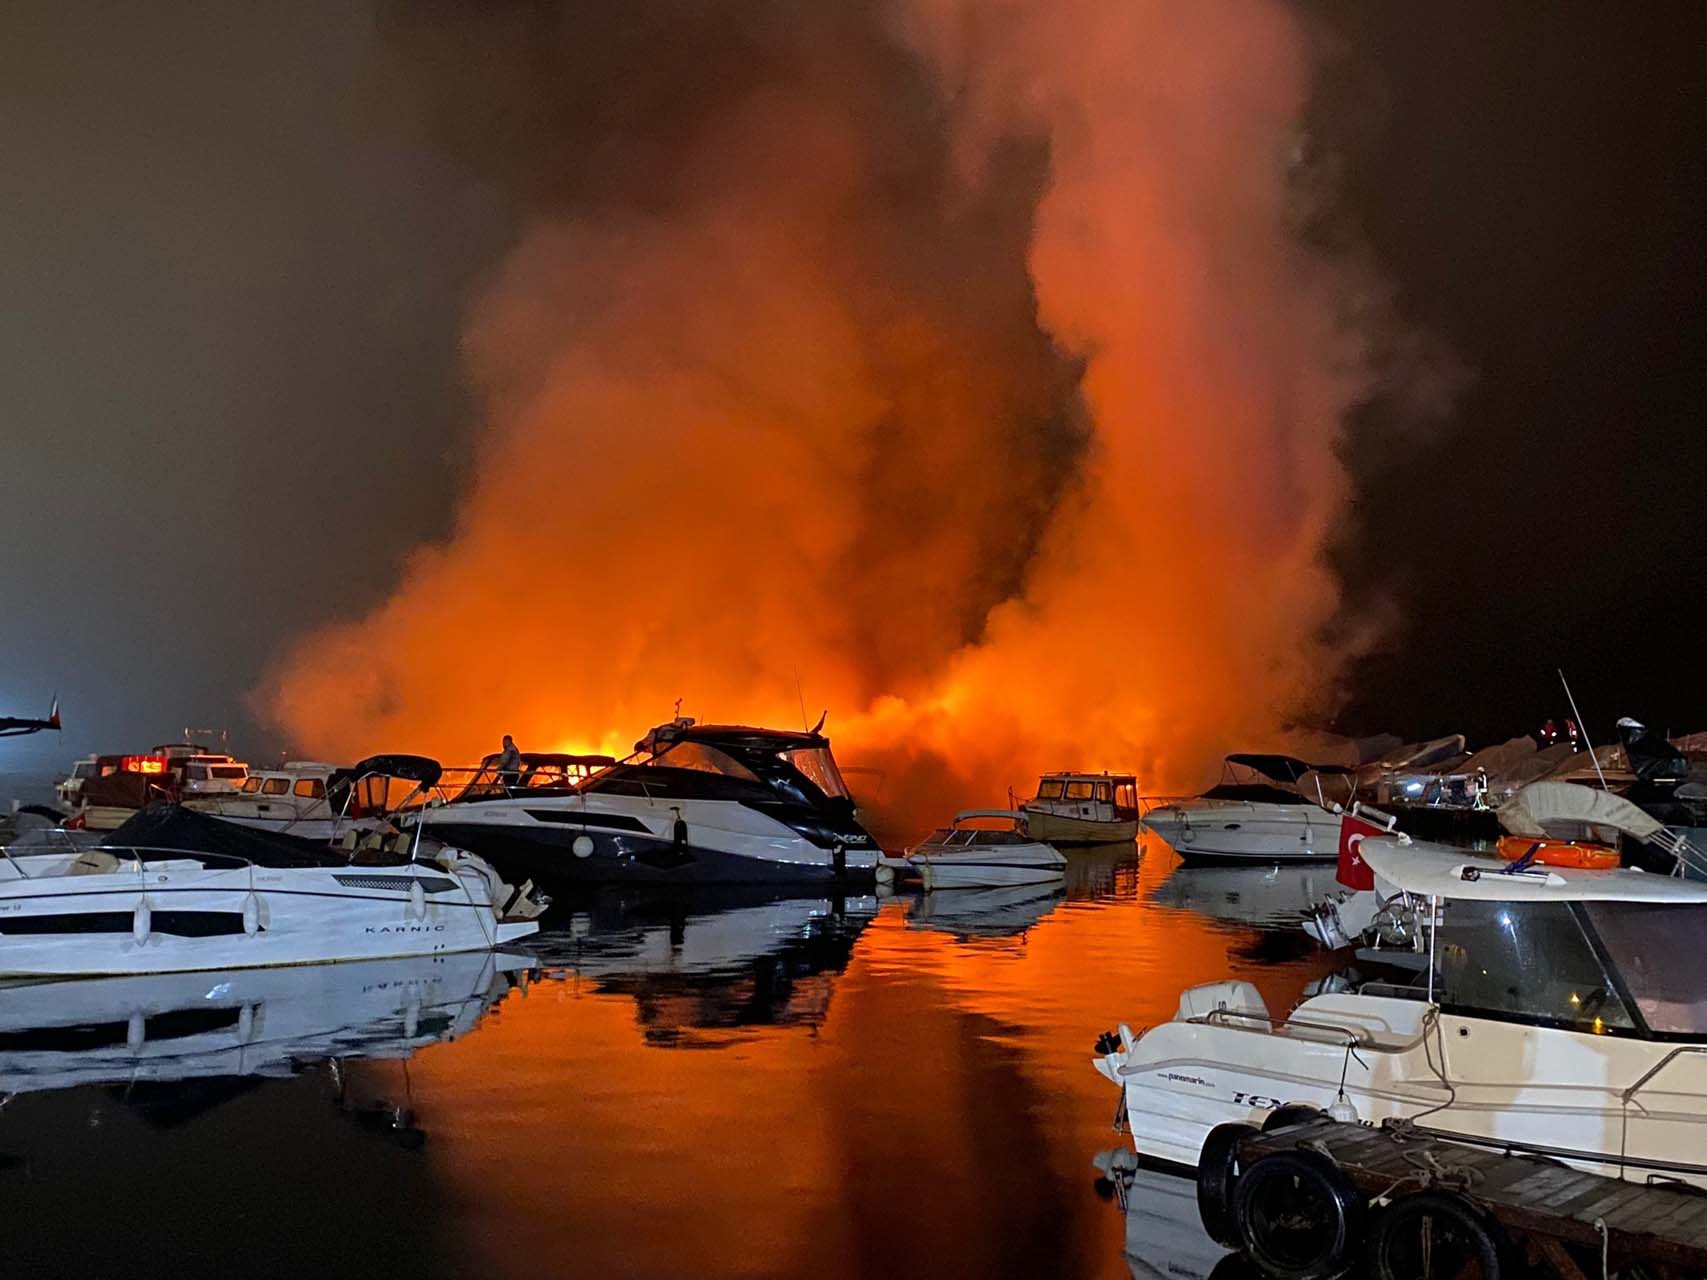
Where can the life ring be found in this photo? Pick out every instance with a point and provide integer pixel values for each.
(1299, 1216)
(1217, 1173)
(1451, 1232)
(1585, 855)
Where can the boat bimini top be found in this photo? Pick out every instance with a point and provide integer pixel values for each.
(1436, 871)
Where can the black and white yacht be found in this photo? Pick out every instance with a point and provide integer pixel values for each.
(695, 804)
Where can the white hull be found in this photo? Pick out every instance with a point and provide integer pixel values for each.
(1555, 1092)
(990, 867)
(1243, 831)
(177, 915)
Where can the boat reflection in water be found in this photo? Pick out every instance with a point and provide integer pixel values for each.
(986, 913)
(170, 1028)
(1164, 1233)
(1275, 897)
(701, 963)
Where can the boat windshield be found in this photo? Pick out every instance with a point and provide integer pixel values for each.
(819, 766)
(1050, 789)
(1526, 962)
(1653, 946)
(703, 758)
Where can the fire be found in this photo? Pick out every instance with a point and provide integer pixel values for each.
(959, 369)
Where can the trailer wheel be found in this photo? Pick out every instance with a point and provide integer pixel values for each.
(1284, 1117)
(1437, 1233)
(1299, 1216)
(1217, 1172)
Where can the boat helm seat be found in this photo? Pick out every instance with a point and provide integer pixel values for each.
(1211, 997)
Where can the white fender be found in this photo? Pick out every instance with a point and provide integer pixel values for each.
(411, 1019)
(142, 921)
(135, 1031)
(417, 900)
(246, 1023)
(251, 915)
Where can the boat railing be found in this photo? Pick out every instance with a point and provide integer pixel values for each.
(1629, 1094)
(142, 855)
(482, 782)
(1330, 1032)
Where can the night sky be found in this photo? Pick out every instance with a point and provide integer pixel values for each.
(233, 401)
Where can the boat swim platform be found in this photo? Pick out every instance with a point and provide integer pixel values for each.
(1563, 1218)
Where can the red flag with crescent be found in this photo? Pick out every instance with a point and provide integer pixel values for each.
(1354, 872)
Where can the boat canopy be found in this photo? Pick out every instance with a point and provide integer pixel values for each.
(1528, 812)
(1431, 870)
(1283, 768)
(420, 770)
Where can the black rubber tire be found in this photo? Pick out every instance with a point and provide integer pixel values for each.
(1235, 1266)
(1467, 1236)
(1217, 1173)
(1299, 1216)
(1289, 1114)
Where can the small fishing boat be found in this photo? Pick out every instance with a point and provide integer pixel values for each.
(177, 891)
(1083, 808)
(970, 856)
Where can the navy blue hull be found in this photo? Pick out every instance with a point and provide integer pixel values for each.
(548, 856)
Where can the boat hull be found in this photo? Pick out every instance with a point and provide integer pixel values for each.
(180, 916)
(1553, 1092)
(1059, 829)
(555, 855)
(938, 874)
(1218, 831)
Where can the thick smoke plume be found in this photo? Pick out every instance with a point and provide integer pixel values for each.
(953, 364)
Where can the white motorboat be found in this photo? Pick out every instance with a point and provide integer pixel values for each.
(1259, 812)
(241, 1022)
(179, 891)
(695, 804)
(984, 849)
(1083, 808)
(1555, 1011)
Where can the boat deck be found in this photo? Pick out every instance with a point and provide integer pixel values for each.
(1555, 1210)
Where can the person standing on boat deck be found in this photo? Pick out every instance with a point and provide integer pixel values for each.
(509, 763)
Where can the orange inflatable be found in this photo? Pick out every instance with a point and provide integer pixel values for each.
(1560, 853)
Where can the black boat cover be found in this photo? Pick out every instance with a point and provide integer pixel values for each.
(418, 769)
(171, 826)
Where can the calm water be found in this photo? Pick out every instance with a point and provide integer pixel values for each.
(720, 1087)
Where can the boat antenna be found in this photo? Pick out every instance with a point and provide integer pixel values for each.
(1583, 729)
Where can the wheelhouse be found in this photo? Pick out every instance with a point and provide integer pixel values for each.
(1605, 953)
(1114, 796)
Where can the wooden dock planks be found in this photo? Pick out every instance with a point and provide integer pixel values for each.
(1527, 1195)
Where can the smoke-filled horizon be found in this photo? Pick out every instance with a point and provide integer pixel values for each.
(960, 368)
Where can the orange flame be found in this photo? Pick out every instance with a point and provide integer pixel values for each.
(735, 453)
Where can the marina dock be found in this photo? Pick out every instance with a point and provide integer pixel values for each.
(1572, 1222)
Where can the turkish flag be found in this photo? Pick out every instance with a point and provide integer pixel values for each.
(1354, 872)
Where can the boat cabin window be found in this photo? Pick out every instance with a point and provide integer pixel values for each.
(1652, 946)
(1078, 791)
(310, 788)
(703, 758)
(1526, 961)
(1126, 796)
(275, 786)
(1050, 789)
(1105, 793)
(819, 766)
(251, 784)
